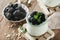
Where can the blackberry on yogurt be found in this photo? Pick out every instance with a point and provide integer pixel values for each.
(37, 18)
(14, 12)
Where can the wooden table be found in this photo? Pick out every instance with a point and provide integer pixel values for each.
(4, 25)
(57, 34)
(4, 28)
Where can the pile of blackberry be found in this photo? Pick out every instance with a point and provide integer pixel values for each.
(14, 12)
(36, 18)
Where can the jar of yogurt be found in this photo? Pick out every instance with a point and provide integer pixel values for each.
(36, 23)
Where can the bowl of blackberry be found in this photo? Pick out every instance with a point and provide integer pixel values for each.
(15, 12)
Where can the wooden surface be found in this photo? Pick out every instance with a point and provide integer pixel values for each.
(4, 23)
(57, 34)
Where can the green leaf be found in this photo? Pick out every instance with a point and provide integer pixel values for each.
(35, 16)
(39, 20)
(23, 29)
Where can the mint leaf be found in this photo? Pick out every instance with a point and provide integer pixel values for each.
(23, 29)
(35, 16)
(39, 20)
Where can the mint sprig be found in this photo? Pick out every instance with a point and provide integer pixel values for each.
(23, 29)
(36, 16)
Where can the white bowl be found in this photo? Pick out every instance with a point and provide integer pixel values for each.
(23, 6)
(51, 3)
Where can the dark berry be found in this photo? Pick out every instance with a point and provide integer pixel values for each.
(21, 9)
(32, 20)
(18, 7)
(23, 15)
(15, 5)
(16, 19)
(37, 39)
(10, 5)
(6, 9)
(11, 10)
(8, 15)
(37, 23)
(43, 18)
(29, 19)
(17, 13)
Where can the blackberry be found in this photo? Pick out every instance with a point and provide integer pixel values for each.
(8, 16)
(37, 39)
(19, 15)
(16, 19)
(11, 10)
(23, 15)
(17, 8)
(6, 9)
(16, 13)
(43, 18)
(37, 23)
(32, 20)
(15, 5)
(22, 10)
(10, 5)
